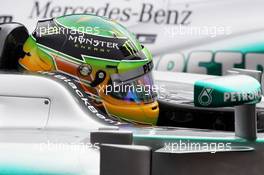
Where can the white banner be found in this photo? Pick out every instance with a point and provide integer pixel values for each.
(184, 35)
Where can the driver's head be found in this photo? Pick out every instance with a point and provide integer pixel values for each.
(107, 60)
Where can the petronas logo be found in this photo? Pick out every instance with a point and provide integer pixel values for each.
(205, 98)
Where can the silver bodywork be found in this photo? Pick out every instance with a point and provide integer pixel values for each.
(23, 99)
(44, 130)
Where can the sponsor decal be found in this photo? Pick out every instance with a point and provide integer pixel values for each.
(146, 13)
(130, 48)
(6, 18)
(146, 38)
(90, 41)
(97, 46)
(207, 62)
(242, 96)
(205, 98)
(79, 44)
(148, 67)
(78, 92)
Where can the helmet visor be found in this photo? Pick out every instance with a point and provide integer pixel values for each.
(138, 90)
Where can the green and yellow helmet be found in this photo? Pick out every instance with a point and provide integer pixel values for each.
(103, 56)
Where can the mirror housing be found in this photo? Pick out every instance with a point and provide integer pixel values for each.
(227, 91)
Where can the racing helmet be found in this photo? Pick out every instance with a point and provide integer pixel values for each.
(103, 56)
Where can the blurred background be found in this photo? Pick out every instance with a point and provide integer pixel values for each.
(198, 36)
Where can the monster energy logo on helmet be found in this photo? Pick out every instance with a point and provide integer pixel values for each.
(129, 47)
(109, 44)
(93, 42)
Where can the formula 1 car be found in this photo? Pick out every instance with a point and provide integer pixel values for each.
(53, 128)
(52, 124)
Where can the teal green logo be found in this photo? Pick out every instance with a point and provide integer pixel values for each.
(212, 62)
(227, 91)
(170, 66)
(205, 97)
